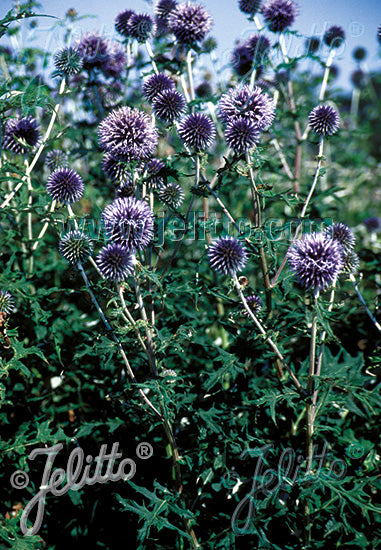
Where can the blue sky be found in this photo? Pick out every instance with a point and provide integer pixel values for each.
(360, 20)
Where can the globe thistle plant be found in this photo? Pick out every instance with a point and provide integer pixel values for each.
(171, 194)
(359, 53)
(197, 131)
(128, 134)
(242, 101)
(190, 23)
(258, 47)
(372, 224)
(254, 303)
(342, 234)
(56, 159)
(251, 7)
(163, 8)
(155, 84)
(115, 169)
(141, 26)
(75, 246)
(334, 36)
(68, 61)
(316, 260)
(312, 44)
(351, 262)
(20, 134)
(227, 256)
(115, 262)
(122, 21)
(129, 221)
(324, 120)
(169, 105)
(241, 60)
(125, 188)
(156, 173)
(94, 50)
(7, 303)
(115, 62)
(279, 14)
(242, 134)
(65, 185)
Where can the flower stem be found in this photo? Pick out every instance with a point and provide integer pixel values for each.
(326, 74)
(310, 386)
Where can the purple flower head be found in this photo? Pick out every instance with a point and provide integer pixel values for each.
(279, 14)
(20, 134)
(171, 194)
(68, 61)
(372, 224)
(129, 222)
(75, 247)
(155, 84)
(115, 169)
(245, 102)
(258, 47)
(141, 26)
(351, 262)
(227, 256)
(56, 159)
(169, 105)
(359, 53)
(125, 188)
(7, 303)
(115, 262)
(156, 173)
(254, 303)
(65, 185)
(121, 22)
(161, 27)
(241, 60)
(94, 50)
(116, 62)
(312, 44)
(197, 131)
(190, 23)
(163, 8)
(316, 261)
(249, 6)
(128, 134)
(204, 89)
(334, 36)
(324, 120)
(342, 234)
(242, 134)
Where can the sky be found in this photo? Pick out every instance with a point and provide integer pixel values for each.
(359, 18)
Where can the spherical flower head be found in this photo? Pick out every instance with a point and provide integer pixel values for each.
(316, 261)
(351, 262)
(115, 169)
(163, 8)
(75, 247)
(20, 134)
(250, 7)
(68, 61)
(359, 53)
(342, 234)
(258, 47)
(121, 22)
(94, 50)
(241, 60)
(204, 89)
(312, 44)
(279, 14)
(141, 26)
(130, 222)
(190, 23)
(242, 101)
(155, 84)
(254, 303)
(197, 131)
(171, 194)
(169, 105)
(56, 159)
(242, 134)
(227, 256)
(115, 262)
(156, 173)
(372, 224)
(65, 186)
(7, 303)
(128, 134)
(125, 188)
(116, 61)
(324, 120)
(334, 36)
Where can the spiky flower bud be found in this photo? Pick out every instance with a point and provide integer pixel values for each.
(115, 262)
(169, 105)
(324, 120)
(75, 246)
(227, 255)
(65, 185)
(68, 61)
(171, 194)
(56, 159)
(197, 131)
(7, 303)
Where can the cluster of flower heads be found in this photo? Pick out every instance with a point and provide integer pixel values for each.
(317, 259)
(139, 26)
(20, 134)
(245, 112)
(98, 53)
(160, 90)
